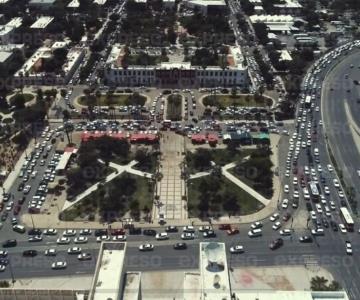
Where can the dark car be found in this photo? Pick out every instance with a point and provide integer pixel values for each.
(34, 231)
(343, 203)
(29, 253)
(17, 210)
(180, 246)
(276, 244)
(286, 217)
(100, 232)
(119, 231)
(334, 226)
(4, 261)
(9, 243)
(325, 222)
(309, 206)
(4, 216)
(21, 187)
(149, 232)
(22, 200)
(171, 229)
(134, 231)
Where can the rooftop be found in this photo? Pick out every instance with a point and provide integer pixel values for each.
(4, 56)
(208, 2)
(42, 22)
(15, 22)
(289, 4)
(100, 2)
(72, 58)
(42, 2)
(285, 55)
(132, 286)
(4, 1)
(74, 4)
(214, 272)
(291, 295)
(108, 273)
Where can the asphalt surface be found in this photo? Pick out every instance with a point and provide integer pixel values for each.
(340, 91)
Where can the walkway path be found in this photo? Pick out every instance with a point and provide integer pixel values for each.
(119, 169)
(242, 185)
(171, 188)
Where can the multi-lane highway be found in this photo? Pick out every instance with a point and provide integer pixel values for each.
(340, 110)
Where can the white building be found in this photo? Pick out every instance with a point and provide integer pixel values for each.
(174, 73)
(100, 2)
(275, 23)
(30, 73)
(292, 7)
(74, 4)
(205, 7)
(8, 29)
(42, 22)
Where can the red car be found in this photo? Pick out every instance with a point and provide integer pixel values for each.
(17, 209)
(233, 231)
(119, 231)
(224, 227)
(286, 217)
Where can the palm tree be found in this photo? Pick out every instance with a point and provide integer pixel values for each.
(318, 283)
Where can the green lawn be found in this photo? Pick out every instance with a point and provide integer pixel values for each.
(142, 192)
(247, 204)
(113, 99)
(174, 107)
(223, 101)
(221, 157)
(27, 97)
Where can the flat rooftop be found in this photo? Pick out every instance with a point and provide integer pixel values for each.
(42, 22)
(108, 271)
(132, 286)
(74, 4)
(208, 2)
(291, 295)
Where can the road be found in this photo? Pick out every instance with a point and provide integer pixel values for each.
(340, 91)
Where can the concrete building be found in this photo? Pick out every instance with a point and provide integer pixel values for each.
(5, 57)
(291, 7)
(175, 73)
(13, 48)
(100, 2)
(276, 23)
(30, 73)
(74, 4)
(207, 7)
(41, 4)
(7, 30)
(285, 55)
(42, 22)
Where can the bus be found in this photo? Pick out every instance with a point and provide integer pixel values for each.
(308, 101)
(314, 191)
(347, 219)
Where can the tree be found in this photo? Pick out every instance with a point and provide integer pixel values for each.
(231, 205)
(318, 283)
(18, 101)
(233, 92)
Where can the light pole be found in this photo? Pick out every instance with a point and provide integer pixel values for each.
(11, 272)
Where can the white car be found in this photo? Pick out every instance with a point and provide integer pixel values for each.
(336, 183)
(319, 208)
(319, 168)
(50, 252)
(189, 229)
(50, 231)
(256, 225)
(69, 232)
(332, 205)
(323, 199)
(146, 247)
(326, 190)
(342, 228)
(27, 189)
(317, 231)
(121, 238)
(313, 215)
(285, 232)
(85, 232)
(3, 253)
(285, 204)
(274, 217)
(313, 172)
(162, 236)
(63, 241)
(287, 173)
(81, 240)
(286, 188)
(296, 194)
(204, 228)
(2, 268)
(276, 226)
(295, 181)
(341, 194)
(58, 265)
(237, 249)
(330, 168)
(187, 236)
(103, 238)
(74, 250)
(348, 248)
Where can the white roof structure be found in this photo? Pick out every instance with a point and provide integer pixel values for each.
(14, 22)
(4, 56)
(256, 2)
(109, 271)
(214, 272)
(4, 1)
(285, 55)
(42, 22)
(72, 58)
(74, 4)
(63, 161)
(289, 4)
(208, 2)
(275, 22)
(100, 2)
(291, 295)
